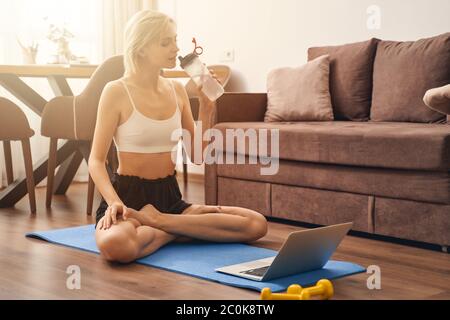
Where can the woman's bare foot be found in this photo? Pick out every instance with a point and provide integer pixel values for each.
(147, 216)
(202, 209)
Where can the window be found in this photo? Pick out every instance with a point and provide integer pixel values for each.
(28, 20)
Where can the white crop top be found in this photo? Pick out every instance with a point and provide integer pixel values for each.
(142, 134)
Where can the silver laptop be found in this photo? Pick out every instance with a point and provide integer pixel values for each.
(302, 251)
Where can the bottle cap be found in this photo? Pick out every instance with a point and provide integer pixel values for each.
(187, 59)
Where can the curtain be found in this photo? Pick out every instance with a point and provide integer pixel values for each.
(115, 16)
(100, 30)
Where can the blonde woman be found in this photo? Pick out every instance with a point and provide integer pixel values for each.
(142, 207)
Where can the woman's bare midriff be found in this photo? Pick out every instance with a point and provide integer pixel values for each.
(146, 165)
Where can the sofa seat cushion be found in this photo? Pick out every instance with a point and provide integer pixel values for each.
(394, 145)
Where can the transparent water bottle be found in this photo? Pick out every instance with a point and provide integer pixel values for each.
(200, 74)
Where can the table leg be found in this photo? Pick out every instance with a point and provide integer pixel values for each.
(59, 85)
(66, 173)
(23, 92)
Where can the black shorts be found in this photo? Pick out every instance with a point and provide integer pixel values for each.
(135, 192)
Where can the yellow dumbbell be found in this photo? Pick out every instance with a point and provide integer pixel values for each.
(294, 289)
(266, 294)
(323, 288)
(298, 290)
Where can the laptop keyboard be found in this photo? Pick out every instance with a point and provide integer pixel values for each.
(256, 272)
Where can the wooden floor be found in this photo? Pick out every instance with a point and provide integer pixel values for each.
(34, 269)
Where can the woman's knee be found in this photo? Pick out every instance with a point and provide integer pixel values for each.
(257, 227)
(119, 243)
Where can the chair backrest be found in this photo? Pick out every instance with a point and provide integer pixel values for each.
(87, 102)
(110, 70)
(13, 122)
(74, 117)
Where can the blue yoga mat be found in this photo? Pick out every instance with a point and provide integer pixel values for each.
(200, 259)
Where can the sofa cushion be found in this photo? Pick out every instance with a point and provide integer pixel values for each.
(371, 144)
(351, 68)
(403, 72)
(300, 94)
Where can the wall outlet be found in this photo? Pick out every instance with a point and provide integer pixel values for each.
(227, 55)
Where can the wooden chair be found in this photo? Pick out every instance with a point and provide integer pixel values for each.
(74, 117)
(223, 73)
(14, 127)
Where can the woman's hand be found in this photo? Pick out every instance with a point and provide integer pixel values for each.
(111, 215)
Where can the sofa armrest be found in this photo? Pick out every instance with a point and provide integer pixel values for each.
(241, 107)
(438, 99)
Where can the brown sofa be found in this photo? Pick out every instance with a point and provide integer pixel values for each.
(384, 162)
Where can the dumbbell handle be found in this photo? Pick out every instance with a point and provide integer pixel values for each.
(266, 294)
(316, 290)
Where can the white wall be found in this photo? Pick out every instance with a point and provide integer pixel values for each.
(271, 33)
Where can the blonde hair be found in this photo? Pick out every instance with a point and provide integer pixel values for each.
(142, 29)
